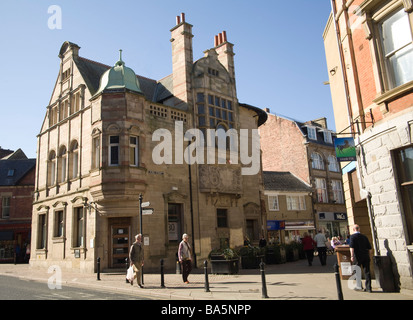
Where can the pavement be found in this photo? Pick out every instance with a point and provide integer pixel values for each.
(289, 281)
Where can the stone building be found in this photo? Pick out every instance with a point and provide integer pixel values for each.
(110, 136)
(369, 53)
(307, 151)
(17, 176)
(290, 207)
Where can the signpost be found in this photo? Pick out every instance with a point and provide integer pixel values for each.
(147, 211)
(142, 212)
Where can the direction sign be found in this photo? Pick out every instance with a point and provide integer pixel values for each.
(145, 204)
(147, 211)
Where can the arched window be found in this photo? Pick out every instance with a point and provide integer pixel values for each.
(62, 160)
(74, 160)
(51, 168)
(317, 161)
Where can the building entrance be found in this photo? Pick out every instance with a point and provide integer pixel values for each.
(120, 243)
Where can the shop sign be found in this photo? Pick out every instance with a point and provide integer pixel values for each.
(275, 225)
(345, 149)
(340, 216)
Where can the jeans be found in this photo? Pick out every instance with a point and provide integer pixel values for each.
(322, 255)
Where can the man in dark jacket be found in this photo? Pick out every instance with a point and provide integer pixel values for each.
(361, 253)
(136, 259)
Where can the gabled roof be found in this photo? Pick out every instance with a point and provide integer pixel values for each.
(12, 171)
(284, 181)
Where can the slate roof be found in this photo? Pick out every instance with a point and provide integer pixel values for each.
(92, 71)
(20, 168)
(284, 181)
(153, 90)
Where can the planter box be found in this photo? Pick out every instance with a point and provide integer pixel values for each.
(250, 262)
(223, 266)
(292, 255)
(275, 255)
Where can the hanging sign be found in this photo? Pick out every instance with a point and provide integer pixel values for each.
(345, 149)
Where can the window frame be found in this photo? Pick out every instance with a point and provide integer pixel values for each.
(222, 218)
(271, 203)
(389, 72)
(337, 188)
(321, 190)
(134, 151)
(5, 207)
(110, 151)
(317, 161)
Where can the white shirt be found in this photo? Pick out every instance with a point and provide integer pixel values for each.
(320, 238)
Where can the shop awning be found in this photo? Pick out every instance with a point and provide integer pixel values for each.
(299, 225)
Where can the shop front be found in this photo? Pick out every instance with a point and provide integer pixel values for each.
(14, 242)
(275, 231)
(294, 230)
(334, 224)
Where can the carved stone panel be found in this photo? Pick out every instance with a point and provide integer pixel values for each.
(223, 179)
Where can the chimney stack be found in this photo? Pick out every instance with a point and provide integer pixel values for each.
(220, 38)
(182, 61)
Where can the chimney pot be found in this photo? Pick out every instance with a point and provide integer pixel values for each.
(178, 20)
(183, 17)
(220, 38)
(225, 35)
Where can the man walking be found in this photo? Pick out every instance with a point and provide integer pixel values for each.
(320, 239)
(136, 259)
(361, 252)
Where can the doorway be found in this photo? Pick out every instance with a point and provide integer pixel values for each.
(120, 242)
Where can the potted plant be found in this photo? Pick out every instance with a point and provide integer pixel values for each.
(224, 261)
(275, 254)
(293, 251)
(251, 257)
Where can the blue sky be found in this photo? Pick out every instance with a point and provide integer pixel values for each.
(279, 63)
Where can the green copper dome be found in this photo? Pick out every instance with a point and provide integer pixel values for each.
(118, 78)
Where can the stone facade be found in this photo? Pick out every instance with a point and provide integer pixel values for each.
(97, 153)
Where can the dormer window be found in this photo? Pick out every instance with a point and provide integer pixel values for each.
(312, 133)
(327, 137)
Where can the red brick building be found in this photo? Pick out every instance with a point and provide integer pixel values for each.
(17, 176)
(307, 151)
(369, 53)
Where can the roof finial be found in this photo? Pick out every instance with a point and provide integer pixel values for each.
(120, 62)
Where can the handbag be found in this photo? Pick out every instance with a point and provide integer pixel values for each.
(130, 274)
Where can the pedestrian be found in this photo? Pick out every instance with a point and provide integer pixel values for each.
(136, 255)
(335, 242)
(185, 257)
(361, 252)
(308, 247)
(262, 242)
(321, 240)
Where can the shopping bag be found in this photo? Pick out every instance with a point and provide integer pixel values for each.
(130, 274)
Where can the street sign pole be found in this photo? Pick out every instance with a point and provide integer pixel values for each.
(141, 228)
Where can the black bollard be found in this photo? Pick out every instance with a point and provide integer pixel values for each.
(98, 275)
(206, 276)
(338, 283)
(127, 267)
(162, 275)
(264, 285)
